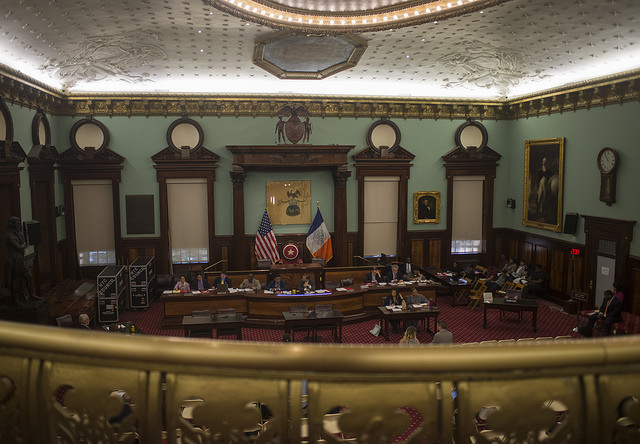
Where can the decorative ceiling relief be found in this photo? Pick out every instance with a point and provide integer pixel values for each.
(117, 56)
(479, 64)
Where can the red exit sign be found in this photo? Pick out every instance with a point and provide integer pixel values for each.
(574, 251)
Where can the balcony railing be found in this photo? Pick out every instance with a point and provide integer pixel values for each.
(69, 386)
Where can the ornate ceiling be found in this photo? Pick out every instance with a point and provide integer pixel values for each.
(464, 50)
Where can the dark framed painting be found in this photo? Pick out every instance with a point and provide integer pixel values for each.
(426, 207)
(543, 183)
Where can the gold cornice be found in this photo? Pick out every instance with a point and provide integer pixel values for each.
(27, 92)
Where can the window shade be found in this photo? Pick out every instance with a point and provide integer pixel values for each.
(93, 217)
(380, 215)
(188, 219)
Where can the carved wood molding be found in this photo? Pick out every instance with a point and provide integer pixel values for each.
(16, 88)
(289, 156)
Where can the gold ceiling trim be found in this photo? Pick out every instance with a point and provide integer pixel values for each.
(27, 92)
(410, 13)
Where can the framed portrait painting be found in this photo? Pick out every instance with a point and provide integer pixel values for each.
(543, 183)
(426, 207)
(289, 202)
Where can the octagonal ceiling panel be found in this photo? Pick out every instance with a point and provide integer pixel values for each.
(294, 56)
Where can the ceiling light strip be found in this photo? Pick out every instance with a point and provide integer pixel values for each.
(357, 21)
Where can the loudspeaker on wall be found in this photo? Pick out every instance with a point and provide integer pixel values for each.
(570, 223)
(32, 233)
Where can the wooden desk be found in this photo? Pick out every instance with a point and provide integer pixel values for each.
(518, 307)
(292, 273)
(229, 324)
(314, 320)
(457, 290)
(201, 323)
(408, 315)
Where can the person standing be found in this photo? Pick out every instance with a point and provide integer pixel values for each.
(443, 336)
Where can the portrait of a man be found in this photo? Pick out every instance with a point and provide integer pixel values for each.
(426, 207)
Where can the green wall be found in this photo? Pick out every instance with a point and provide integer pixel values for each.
(586, 132)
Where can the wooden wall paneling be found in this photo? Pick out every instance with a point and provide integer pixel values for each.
(526, 252)
(633, 292)
(541, 256)
(436, 254)
(557, 272)
(417, 252)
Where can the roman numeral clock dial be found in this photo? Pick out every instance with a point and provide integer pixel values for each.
(608, 165)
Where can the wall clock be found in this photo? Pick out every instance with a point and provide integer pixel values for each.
(608, 166)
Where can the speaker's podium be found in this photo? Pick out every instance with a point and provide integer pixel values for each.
(292, 273)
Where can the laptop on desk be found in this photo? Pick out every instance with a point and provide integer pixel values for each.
(512, 295)
(222, 288)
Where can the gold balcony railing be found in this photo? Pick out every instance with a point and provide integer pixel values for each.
(69, 386)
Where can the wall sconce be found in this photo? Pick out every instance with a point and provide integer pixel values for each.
(60, 210)
(511, 203)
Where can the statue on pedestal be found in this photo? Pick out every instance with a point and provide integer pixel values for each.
(16, 273)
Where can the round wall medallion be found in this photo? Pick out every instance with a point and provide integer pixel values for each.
(290, 251)
(471, 133)
(6, 123)
(87, 133)
(185, 132)
(40, 130)
(383, 133)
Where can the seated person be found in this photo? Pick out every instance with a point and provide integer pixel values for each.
(277, 284)
(617, 291)
(416, 298)
(456, 268)
(222, 279)
(83, 321)
(520, 273)
(373, 277)
(201, 283)
(394, 275)
(394, 298)
(306, 285)
(407, 269)
(415, 276)
(409, 337)
(251, 282)
(470, 272)
(511, 265)
(536, 279)
(497, 284)
(610, 311)
(182, 284)
(443, 336)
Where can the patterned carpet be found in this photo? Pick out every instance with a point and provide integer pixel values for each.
(466, 325)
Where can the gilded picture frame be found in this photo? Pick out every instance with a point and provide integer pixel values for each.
(289, 202)
(543, 183)
(426, 207)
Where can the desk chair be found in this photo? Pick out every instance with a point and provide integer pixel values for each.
(326, 327)
(65, 321)
(476, 295)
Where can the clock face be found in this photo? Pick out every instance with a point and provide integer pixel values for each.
(607, 160)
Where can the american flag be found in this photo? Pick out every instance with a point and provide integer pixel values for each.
(266, 245)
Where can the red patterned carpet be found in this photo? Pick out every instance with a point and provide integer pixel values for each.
(466, 325)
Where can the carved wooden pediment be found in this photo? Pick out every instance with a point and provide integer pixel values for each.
(11, 152)
(90, 155)
(370, 153)
(289, 156)
(170, 154)
(460, 154)
(43, 154)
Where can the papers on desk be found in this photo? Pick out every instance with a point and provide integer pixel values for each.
(322, 291)
(426, 304)
(341, 289)
(394, 308)
(167, 292)
(268, 292)
(195, 292)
